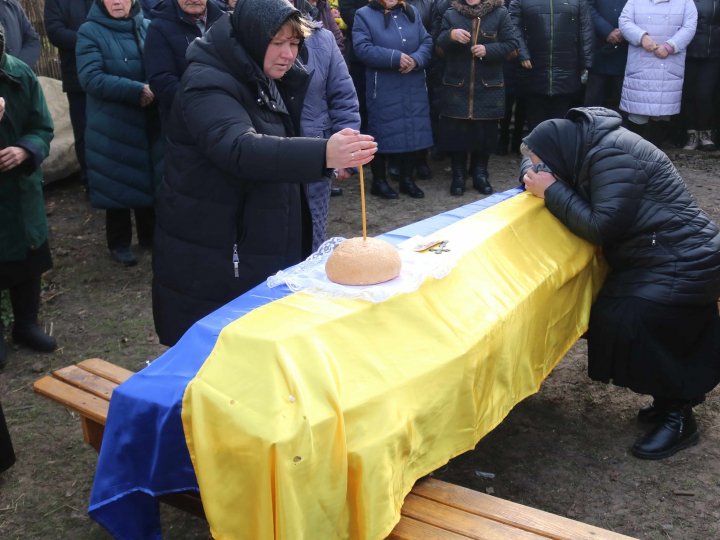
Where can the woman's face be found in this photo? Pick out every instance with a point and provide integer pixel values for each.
(193, 7)
(472, 2)
(118, 9)
(281, 52)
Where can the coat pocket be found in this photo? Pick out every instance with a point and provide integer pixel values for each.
(451, 80)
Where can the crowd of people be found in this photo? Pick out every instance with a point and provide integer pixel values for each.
(268, 101)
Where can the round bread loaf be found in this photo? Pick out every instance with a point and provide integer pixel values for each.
(358, 261)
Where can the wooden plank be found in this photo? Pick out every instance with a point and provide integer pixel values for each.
(514, 514)
(85, 380)
(466, 524)
(78, 400)
(412, 529)
(92, 432)
(105, 369)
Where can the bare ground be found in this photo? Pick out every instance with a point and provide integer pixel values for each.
(563, 450)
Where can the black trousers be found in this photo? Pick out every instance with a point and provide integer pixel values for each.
(405, 162)
(603, 90)
(540, 107)
(7, 454)
(118, 226)
(699, 97)
(76, 101)
(357, 74)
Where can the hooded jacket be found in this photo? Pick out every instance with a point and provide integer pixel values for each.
(619, 191)
(168, 37)
(21, 39)
(231, 210)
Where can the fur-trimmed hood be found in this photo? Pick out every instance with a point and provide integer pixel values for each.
(476, 11)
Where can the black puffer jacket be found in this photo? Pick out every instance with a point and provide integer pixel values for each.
(557, 37)
(474, 88)
(232, 175)
(625, 195)
(706, 42)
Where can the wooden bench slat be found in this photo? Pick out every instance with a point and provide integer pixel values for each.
(465, 524)
(412, 529)
(85, 380)
(83, 402)
(514, 514)
(106, 370)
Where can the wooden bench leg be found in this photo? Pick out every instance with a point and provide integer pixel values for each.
(92, 432)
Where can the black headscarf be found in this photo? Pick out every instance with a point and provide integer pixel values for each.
(557, 143)
(255, 22)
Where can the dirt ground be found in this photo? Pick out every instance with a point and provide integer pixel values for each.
(563, 450)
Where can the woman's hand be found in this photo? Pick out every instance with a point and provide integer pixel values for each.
(342, 174)
(407, 63)
(648, 43)
(11, 157)
(349, 148)
(526, 64)
(2, 108)
(478, 51)
(147, 96)
(537, 182)
(459, 35)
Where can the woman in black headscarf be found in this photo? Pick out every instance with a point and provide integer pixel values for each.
(654, 327)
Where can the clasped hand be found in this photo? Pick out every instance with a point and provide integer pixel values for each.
(537, 182)
(11, 157)
(407, 63)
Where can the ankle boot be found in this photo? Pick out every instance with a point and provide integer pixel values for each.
(25, 300)
(382, 189)
(479, 173)
(653, 413)
(408, 187)
(677, 430)
(457, 186)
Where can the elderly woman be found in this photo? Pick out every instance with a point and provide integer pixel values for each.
(175, 24)
(26, 129)
(122, 140)
(232, 207)
(390, 39)
(654, 327)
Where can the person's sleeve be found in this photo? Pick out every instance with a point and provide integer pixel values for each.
(684, 35)
(626, 22)
(601, 25)
(444, 42)
(225, 134)
(31, 47)
(93, 78)
(39, 129)
(342, 99)
(516, 16)
(423, 54)
(160, 66)
(587, 33)
(56, 28)
(615, 195)
(367, 52)
(507, 40)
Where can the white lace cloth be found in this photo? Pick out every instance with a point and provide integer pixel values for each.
(309, 275)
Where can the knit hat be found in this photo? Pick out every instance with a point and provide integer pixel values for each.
(255, 22)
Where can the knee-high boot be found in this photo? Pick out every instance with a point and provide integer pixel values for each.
(479, 172)
(25, 299)
(458, 161)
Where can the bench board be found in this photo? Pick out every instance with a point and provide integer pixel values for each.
(434, 510)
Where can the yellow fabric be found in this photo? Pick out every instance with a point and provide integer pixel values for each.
(313, 417)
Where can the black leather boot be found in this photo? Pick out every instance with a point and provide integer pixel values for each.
(409, 187)
(25, 300)
(677, 430)
(458, 161)
(381, 188)
(480, 175)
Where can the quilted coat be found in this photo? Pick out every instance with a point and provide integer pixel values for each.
(653, 87)
(123, 150)
(397, 104)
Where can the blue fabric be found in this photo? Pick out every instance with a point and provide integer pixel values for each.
(143, 454)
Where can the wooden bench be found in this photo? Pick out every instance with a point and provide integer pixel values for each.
(433, 510)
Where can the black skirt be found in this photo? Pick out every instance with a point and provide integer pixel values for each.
(7, 455)
(460, 135)
(665, 351)
(14, 272)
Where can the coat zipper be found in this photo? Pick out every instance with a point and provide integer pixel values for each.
(236, 261)
(552, 46)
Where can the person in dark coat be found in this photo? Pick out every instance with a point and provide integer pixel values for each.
(702, 70)
(62, 20)
(21, 39)
(556, 46)
(475, 38)
(175, 24)
(605, 77)
(654, 327)
(390, 39)
(347, 9)
(319, 11)
(231, 207)
(122, 142)
(26, 129)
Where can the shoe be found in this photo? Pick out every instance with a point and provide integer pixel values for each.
(705, 142)
(481, 182)
(381, 188)
(457, 186)
(651, 414)
(676, 431)
(408, 187)
(335, 191)
(692, 140)
(124, 256)
(423, 171)
(33, 337)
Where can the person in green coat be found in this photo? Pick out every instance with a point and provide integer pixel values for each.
(26, 129)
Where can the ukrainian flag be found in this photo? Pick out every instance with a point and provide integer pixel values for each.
(303, 417)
